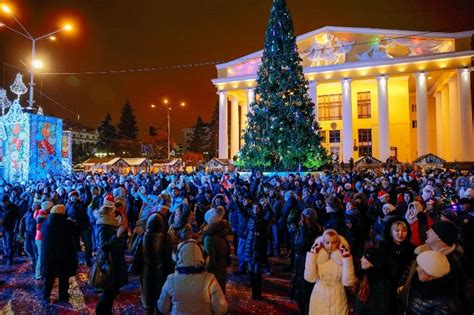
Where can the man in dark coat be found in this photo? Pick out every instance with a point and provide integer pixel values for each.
(77, 213)
(58, 254)
(9, 214)
(153, 275)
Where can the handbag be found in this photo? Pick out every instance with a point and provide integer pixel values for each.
(100, 276)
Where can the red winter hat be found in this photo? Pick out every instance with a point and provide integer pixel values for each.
(382, 194)
(73, 193)
(109, 200)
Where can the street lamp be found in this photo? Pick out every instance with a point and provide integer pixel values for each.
(169, 108)
(35, 64)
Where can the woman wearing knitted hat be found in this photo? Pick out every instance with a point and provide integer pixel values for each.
(433, 267)
(373, 294)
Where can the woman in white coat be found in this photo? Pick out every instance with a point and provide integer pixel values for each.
(330, 266)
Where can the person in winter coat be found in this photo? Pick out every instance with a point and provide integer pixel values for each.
(419, 222)
(354, 232)
(442, 237)
(77, 213)
(40, 216)
(153, 277)
(373, 296)
(335, 215)
(433, 267)
(109, 243)
(58, 255)
(190, 289)
(10, 215)
(245, 211)
(329, 265)
(400, 252)
(28, 231)
(215, 244)
(256, 248)
(308, 231)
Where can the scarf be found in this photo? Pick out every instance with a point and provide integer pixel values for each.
(364, 289)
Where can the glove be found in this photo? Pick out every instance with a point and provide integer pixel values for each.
(316, 248)
(344, 251)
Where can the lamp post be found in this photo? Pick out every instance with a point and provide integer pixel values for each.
(35, 64)
(169, 108)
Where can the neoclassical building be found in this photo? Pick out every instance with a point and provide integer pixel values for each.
(376, 91)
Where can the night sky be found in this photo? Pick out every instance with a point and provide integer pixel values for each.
(122, 35)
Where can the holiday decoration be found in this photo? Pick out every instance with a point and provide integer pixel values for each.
(31, 144)
(282, 101)
(4, 101)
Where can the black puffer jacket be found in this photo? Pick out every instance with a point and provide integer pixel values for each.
(256, 243)
(153, 275)
(112, 246)
(58, 253)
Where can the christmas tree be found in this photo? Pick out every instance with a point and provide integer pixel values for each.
(127, 127)
(282, 133)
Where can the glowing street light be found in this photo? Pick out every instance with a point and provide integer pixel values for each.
(35, 64)
(168, 110)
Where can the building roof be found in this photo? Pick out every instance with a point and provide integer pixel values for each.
(136, 161)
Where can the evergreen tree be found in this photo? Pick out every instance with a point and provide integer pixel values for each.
(282, 132)
(127, 127)
(107, 132)
(200, 140)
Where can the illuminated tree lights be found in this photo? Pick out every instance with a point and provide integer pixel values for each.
(282, 132)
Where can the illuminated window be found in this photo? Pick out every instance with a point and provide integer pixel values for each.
(363, 105)
(365, 142)
(334, 136)
(323, 136)
(330, 107)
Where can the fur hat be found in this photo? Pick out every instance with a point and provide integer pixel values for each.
(59, 209)
(109, 200)
(46, 205)
(214, 215)
(117, 192)
(375, 255)
(433, 263)
(446, 231)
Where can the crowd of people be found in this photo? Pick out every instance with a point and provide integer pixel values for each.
(388, 242)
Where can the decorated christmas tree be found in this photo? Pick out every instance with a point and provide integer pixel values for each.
(282, 133)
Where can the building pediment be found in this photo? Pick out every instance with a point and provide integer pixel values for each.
(338, 45)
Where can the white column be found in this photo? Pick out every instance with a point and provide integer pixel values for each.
(223, 141)
(346, 120)
(250, 98)
(243, 120)
(446, 114)
(384, 132)
(454, 118)
(234, 126)
(422, 113)
(313, 95)
(465, 117)
(439, 124)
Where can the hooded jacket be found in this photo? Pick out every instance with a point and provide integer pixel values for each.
(197, 292)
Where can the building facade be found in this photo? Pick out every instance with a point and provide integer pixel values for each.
(385, 93)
